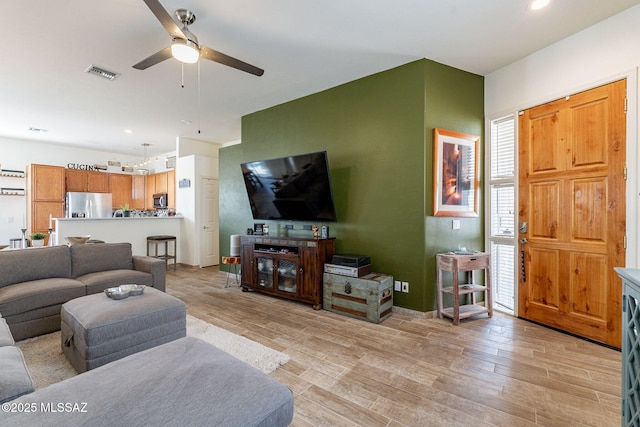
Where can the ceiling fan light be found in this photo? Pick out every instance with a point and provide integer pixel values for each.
(185, 51)
(538, 4)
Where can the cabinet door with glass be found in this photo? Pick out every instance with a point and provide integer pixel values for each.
(265, 267)
(277, 274)
(287, 276)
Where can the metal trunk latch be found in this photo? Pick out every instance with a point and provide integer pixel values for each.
(347, 288)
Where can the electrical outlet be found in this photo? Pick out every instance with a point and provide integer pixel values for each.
(405, 287)
(397, 286)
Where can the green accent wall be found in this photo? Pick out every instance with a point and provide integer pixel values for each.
(378, 133)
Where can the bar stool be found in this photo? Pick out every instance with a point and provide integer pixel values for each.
(231, 260)
(156, 241)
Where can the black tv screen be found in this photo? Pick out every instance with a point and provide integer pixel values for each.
(296, 188)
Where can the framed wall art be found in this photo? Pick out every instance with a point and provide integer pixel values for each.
(456, 167)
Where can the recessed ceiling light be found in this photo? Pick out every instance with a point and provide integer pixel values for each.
(128, 131)
(538, 4)
(185, 122)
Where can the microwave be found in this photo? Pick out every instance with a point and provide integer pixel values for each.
(160, 201)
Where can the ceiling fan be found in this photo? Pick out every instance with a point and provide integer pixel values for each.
(184, 46)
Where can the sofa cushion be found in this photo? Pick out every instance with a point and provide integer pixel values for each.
(25, 265)
(186, 382)
(101, 280)
(14, 376)
(5, 334)
(23, 297)
(35, 322)
(87, 259)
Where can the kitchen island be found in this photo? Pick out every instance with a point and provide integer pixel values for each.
(134, 230)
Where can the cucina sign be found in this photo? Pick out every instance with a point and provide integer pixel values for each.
(78, 166)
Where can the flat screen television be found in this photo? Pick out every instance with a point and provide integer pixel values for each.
(295, 188)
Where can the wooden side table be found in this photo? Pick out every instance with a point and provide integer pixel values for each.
(235, 261)
(457, 264)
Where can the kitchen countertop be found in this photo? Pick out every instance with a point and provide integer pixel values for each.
(119, 218)
(134, 230)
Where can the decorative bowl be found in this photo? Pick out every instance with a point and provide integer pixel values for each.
(116, 293)
(77, 240)
(132, 289)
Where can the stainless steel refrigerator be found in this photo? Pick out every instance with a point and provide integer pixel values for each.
(88, 205)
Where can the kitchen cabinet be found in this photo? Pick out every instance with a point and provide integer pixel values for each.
(45, 183)
(75, 180)
(45, 196)
(97, 182)
(138, 192)
(120, 187)
(163, 182)
(40, 212)
(150, 190)
(86, 181)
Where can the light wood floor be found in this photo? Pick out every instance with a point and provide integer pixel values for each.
(412, 371)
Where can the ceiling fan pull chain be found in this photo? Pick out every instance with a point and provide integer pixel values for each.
(182, 77)
(199, 108)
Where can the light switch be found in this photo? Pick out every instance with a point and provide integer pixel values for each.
(455, 224)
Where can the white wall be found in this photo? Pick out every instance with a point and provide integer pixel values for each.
(196, 160)
(603, 53)
(17, 154)
(189, 146)
(600, 53)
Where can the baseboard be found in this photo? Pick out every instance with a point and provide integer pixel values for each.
(414, 313)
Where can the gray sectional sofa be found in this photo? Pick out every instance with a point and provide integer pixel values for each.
(185, 382)
(15, 379)
(35, 282)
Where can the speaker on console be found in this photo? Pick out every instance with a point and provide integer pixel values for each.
(234, 245)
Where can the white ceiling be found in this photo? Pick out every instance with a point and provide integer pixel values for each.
(304, 47)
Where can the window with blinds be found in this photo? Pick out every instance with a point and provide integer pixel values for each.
(502, 210)
(502, 148)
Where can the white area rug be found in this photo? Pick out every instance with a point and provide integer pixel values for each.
(255, 354)
(48, 365)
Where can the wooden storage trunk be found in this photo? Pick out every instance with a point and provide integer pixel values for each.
(368, 297)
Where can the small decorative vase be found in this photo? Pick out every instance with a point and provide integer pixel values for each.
(37, 243)
(126, 213)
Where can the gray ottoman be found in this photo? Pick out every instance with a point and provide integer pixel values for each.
(97, 330)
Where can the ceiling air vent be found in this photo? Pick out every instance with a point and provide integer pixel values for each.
(97, 71)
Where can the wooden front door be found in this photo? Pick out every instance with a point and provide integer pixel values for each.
(572, 212)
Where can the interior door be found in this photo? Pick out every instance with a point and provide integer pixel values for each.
(209, 246)
(572, 212)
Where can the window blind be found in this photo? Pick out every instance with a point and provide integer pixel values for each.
(502, 148)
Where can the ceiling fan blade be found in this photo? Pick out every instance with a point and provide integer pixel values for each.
(154, 59)
(165, 19)
(214, 55)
